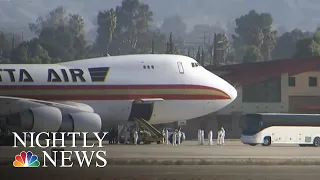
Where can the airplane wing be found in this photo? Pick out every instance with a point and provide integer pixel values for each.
(248, 73)
(46, 116)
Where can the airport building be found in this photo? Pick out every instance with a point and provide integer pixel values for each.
(275, 86)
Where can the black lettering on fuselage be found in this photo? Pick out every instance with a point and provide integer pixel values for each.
(10, 72)
(77, 73)
(53, 74)
(24, 76)
(65, 75)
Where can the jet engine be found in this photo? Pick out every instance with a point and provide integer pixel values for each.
(81, 122)
(37, 119)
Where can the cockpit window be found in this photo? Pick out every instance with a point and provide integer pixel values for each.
(195, 64)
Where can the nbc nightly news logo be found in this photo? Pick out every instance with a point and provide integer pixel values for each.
(28, 159)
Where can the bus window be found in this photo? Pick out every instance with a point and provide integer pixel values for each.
(180, 67)
(252, 125)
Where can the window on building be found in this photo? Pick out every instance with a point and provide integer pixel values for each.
(266, 91)
(313, 81)
(292, 81)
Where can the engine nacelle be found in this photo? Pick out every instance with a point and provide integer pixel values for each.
(81, 122)
(37, 119)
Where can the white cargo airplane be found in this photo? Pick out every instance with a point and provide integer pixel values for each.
(80, 95)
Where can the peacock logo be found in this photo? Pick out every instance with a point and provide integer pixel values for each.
(26, 160)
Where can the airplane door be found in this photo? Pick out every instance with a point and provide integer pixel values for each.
(141, 110)
(180, 67)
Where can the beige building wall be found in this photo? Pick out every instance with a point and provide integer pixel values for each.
(302, 87)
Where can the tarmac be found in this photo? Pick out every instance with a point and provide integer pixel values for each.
(233, 160)
(215, 172)
(233, 152)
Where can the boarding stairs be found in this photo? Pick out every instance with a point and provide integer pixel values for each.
(154, 134)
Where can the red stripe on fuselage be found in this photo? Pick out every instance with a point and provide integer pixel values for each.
(117, 97)
(126, 97)
(156, 86)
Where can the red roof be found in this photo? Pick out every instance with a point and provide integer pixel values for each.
(247, 73)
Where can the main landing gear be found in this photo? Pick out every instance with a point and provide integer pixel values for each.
(6, 137)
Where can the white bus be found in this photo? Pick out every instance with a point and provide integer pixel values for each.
(281, 128)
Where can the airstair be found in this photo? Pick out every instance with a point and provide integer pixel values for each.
(152, 134)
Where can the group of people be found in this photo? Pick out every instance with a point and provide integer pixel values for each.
(113, 136)
(133, 132)
(220, 136)
(176, 136)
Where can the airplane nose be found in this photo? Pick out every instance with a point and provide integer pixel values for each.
(233, 92)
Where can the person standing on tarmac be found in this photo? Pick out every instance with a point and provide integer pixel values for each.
(210, 137)
(219, 138)
(167, 136)
(135, 137)
(202, 137)
(179, 136)
(223, 134)
(174, 138)
(164, 135)
(110, 136)
(199, 136)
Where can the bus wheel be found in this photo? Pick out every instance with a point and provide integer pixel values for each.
(316, 142)
(266, 141)
(303, 145)
(252, 144)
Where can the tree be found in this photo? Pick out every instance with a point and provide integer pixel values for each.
(76, 28)
(133, 21)
(269, 42)
(174, 24)
(152, 38)
(134, 18)
(57, 17)
(61, 34)
(222, 47)
(30, 52)
(252, 54)
(286, 44)
(254, 29)
(309, 46)
(203, 57)
(198, 57)
(5, 48)
(107, 23)
(171, 47)
(7, 43)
